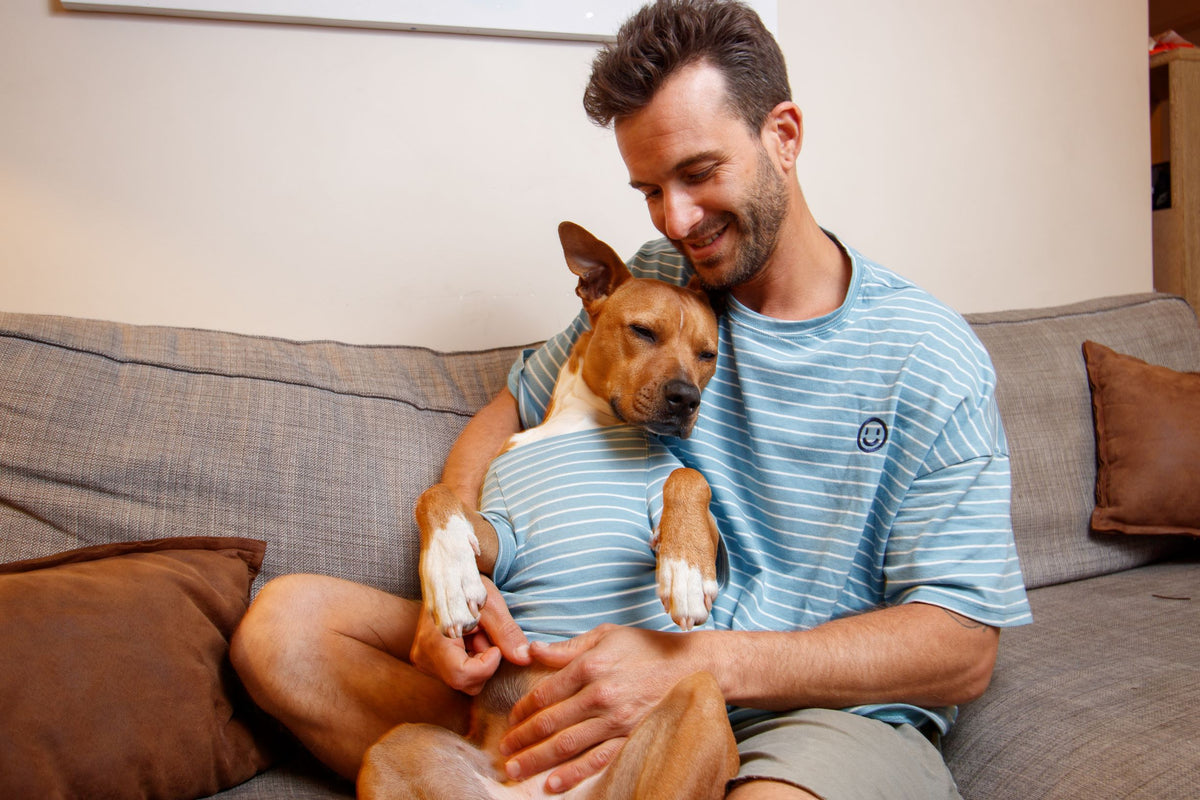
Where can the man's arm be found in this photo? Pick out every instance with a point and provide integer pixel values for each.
(480, 442)
(914, 653)
(611, 677)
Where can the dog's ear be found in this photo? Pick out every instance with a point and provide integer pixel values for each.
(714, 298)
(598, 266)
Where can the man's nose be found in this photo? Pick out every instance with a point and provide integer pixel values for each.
(681, 214)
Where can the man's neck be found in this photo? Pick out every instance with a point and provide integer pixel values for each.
(808, 275)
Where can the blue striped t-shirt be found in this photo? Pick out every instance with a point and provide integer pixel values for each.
(857, 460)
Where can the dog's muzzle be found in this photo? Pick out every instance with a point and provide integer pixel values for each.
(681, 399)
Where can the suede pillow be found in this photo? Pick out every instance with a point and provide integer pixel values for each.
(114, 671)
(1147, 440)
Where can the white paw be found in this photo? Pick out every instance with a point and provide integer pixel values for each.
(450, 582)
(685, 593)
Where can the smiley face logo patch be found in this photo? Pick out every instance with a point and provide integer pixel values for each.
(872, 435)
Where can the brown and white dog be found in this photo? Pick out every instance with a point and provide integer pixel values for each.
(647, 357)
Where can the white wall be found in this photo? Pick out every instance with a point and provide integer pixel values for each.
(397, 187)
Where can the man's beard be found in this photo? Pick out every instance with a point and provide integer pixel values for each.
(758, 223)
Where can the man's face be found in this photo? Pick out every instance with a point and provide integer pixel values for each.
(709, 183)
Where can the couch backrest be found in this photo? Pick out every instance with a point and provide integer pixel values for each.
(113, 432)
(1045, 403)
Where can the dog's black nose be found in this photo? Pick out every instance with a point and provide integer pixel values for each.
(682, 397)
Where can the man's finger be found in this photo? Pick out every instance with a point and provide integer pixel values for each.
(558, 686)
(474, 671)
(558, 654)
(447, 659)
(557, 749)
(497, 622)
(549, 691)
(576, 771)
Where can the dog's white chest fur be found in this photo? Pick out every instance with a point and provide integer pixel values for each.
(573, 407)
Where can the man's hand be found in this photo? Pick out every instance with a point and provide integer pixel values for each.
(466, 664)
(579, 717)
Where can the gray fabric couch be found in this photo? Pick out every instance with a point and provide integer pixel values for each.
(112, 432)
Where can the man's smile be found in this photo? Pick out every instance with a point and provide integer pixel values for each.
(696, 246)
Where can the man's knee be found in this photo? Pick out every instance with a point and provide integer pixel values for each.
(303, 622)
(283, 621)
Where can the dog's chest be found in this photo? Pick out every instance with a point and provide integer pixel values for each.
(577, 512)
(573, 408)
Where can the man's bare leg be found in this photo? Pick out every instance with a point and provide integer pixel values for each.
(329, 659)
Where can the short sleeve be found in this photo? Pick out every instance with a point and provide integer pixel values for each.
(951, 542)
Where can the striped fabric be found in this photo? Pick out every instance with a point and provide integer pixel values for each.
(574, 550)
(857, 460)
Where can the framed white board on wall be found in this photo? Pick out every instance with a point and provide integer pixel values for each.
(581, 20)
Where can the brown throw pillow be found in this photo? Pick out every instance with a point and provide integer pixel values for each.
(1147, 444)
(114, 671)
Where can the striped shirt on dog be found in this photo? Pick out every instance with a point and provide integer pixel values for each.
(574, 550)
(857, 460)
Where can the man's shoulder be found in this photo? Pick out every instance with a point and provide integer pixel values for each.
(885, 292)
(910, 312)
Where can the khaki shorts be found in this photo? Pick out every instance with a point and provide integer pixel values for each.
(837, 755)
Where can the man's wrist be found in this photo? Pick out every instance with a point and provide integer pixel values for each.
(710, 651)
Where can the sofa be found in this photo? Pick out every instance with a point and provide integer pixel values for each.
(152, 478)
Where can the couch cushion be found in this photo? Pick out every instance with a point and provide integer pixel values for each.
(299, 778)
(1097, 698)
(114, 673)
(1046, 407)
(112, 432)
(1147, 441)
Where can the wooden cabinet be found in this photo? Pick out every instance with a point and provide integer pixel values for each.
(1175, 143)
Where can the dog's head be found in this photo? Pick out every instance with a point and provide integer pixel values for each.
(652, 347)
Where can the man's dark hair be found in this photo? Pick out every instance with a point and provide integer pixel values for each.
(667, 35)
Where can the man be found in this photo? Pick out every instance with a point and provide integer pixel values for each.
(859, 472)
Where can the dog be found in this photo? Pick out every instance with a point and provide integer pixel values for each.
(649, 352)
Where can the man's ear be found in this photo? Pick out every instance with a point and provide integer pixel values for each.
(598, 266)
(783, 134)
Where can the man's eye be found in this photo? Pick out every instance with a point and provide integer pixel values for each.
(644, 333)
(701, 175)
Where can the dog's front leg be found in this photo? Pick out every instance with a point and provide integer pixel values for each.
(452, 537)
(686, 541)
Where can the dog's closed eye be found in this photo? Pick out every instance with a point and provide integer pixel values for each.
(643, 332)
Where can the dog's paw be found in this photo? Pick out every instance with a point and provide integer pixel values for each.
(687, 594)
(450, 583)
